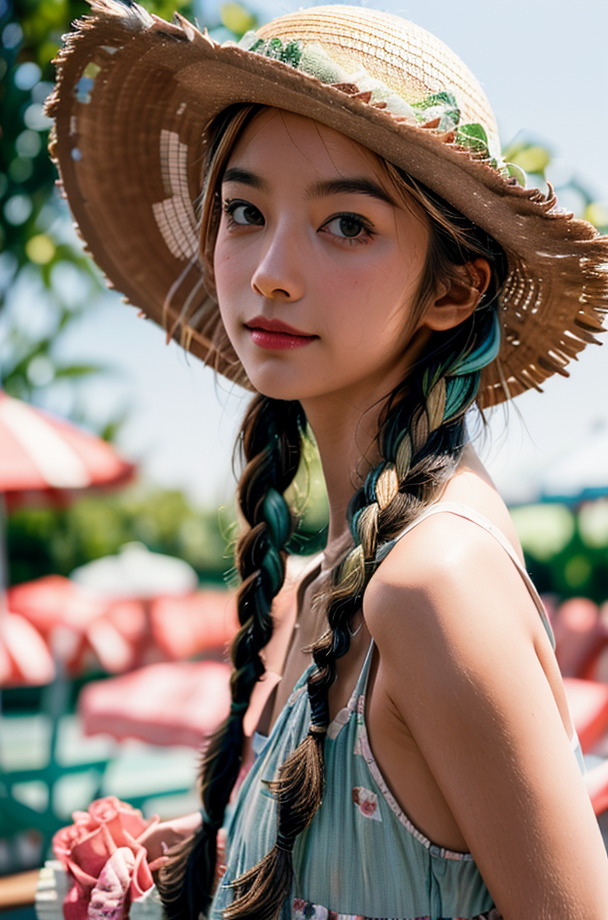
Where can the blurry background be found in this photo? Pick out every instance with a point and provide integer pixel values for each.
(69, 346)
(543, 66)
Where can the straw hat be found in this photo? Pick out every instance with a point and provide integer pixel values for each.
(135, 94)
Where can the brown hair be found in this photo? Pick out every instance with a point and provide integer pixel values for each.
(420, 436)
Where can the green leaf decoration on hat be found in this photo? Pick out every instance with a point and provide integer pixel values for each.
(437, 112)
(443, 98)
(474, 136)
(516, 172)
(289, 53)
(440, 107)
(318, 63)
(292, 54)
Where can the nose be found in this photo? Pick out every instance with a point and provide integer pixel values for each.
(280, 272)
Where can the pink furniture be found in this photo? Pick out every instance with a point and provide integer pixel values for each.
(25, 657)
(166, 703)
(120, 634)
(581, 636)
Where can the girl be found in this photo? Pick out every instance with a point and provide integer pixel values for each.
(322, 214)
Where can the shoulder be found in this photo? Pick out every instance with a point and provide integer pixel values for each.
(449, 578)
(457, 635)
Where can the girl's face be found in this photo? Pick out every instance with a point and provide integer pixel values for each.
(317, 264)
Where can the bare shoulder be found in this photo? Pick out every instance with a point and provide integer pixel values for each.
(449, 575)
(448, 563)
(460, 661)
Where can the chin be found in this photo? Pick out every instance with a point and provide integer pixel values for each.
(279, 384)
(278, 390)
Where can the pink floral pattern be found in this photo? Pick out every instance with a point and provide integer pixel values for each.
(306, 910)
(367, 802)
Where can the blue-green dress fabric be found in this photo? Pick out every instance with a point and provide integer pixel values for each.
(360, 856)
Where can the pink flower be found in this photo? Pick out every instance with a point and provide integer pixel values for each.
(102, 855)
(109, 897)
(367, 808)
(367, 802)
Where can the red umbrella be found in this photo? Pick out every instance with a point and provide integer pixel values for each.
(24, 655)
(44, 453)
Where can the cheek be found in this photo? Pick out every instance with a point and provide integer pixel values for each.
(228, 281)
(371, 307)
(221, 264)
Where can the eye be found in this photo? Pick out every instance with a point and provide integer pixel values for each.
(242, 213)
(350, 228)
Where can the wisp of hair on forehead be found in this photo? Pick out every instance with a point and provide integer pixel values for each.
(421, 434)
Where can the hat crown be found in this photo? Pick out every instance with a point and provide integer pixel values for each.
(410, 61)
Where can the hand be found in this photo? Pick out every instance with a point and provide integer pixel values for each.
(162, 837)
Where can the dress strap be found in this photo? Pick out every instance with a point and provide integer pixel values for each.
(472, 515)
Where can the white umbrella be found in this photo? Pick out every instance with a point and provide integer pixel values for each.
(136, 572)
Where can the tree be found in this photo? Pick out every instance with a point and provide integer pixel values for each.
(41, 262)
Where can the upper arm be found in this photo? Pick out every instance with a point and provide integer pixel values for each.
(457, 635)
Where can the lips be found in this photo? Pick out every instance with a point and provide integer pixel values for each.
(274, 335)
(275, 325)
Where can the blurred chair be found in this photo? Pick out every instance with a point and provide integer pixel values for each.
(25, 657)
(170, 703)
(104, 633)
(176, 702)
(26, 660)
(193, 625)
(116, 634)
(596, 781)
(581, 635)
(182, 702)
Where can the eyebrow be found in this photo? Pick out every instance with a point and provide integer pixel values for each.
(353, 185)
(236, 174)
(322, 189)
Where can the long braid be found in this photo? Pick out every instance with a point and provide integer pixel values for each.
(420, 440)
(271, 441)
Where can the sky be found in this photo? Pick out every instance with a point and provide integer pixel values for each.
(544, 67)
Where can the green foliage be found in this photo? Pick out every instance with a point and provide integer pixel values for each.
(566, 552)
(34, 234)
(42, 541)
(47, 540)
(41, 261)
(532, 158)
(536, 160)
(237, 18)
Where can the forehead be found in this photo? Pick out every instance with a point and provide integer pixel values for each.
(274, 134)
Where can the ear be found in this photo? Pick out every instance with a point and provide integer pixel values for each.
(453, 306)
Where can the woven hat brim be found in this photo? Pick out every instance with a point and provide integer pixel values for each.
(130, 145)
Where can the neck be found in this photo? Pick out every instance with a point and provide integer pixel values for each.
(346, 439)
(345, 425)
